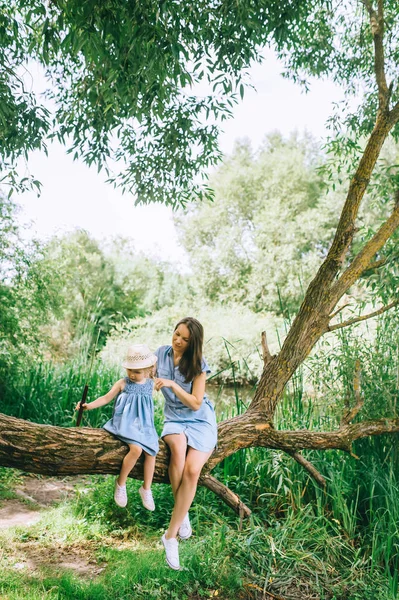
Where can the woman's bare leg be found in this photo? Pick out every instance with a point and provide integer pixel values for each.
(149, 468)
(195, 460)
(128, 463)
(177, 443)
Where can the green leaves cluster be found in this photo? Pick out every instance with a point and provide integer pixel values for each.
(142, 83)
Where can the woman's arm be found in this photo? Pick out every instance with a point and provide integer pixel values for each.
(193, 400)
(106, 399)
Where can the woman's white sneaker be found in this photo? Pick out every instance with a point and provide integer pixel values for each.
(120, 496)
(172, 552)
(147, 499)
(185, 529)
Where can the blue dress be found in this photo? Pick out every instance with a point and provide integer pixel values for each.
(133, 417)
(199, 426)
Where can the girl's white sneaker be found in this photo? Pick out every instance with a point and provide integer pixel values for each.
(185, 529)
(147, 499)
(172, 552)
(120, 496)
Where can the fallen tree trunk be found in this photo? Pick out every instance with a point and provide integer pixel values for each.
(50, 450)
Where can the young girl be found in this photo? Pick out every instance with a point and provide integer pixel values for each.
(133, 420)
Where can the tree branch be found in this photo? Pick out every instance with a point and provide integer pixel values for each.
(50, 450)
(373, 266)
(229, 497)
(380, 311)
(363, 258)
(317, 476)
(377, 30)
(267, 357)
(339, 310)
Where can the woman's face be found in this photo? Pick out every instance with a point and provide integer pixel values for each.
(180, 339)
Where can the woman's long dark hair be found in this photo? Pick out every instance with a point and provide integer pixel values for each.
(190, 364)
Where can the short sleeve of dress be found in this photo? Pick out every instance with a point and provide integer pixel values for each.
(205, 367)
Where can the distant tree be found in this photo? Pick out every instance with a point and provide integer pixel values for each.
(28, 294)
(92, 294)
(268, 229)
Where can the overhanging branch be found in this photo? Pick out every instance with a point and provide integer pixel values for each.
(363, 258)
(354, 320)
(377, 30)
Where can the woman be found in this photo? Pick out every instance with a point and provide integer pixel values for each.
(190, 428)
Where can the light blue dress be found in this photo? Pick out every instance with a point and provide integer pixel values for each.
(199, 426)
(133, 417)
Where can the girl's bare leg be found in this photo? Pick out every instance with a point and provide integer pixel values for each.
(128, 463)
(149, 468)
(177, 443)
(186, 491)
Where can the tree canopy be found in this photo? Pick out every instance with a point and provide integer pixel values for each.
(139, 89)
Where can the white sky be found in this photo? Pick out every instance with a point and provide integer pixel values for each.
(76, 196)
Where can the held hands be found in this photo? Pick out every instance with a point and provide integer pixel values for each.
(85, 406)
(160, 383)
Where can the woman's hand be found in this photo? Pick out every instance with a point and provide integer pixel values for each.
(77, 407)
(159, 383)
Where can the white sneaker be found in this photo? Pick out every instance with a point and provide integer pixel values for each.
(185, 529)
(120, 496)
(147, 499)
(172, 552)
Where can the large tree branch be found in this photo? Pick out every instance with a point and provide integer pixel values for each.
(323, 294)
(54, 450)
(363, 258)
(377, 30)
(354, 320)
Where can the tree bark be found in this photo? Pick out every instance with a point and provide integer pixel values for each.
(51, 450)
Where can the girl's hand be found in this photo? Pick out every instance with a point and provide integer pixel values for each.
(77, 407)
(160, 383)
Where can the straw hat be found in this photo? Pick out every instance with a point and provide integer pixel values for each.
(139, 356)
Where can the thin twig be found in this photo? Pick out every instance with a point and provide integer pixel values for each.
(363, 317)
(339, 310)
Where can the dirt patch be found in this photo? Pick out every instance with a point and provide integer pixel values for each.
(35, 495)
(46, 491)
(34, 556)
(15, 513)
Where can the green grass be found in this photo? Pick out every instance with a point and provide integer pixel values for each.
(305, 551)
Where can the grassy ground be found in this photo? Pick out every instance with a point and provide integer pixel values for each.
(87, 548)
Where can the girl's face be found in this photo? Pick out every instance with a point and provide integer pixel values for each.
(136, 375)
(180, 339)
